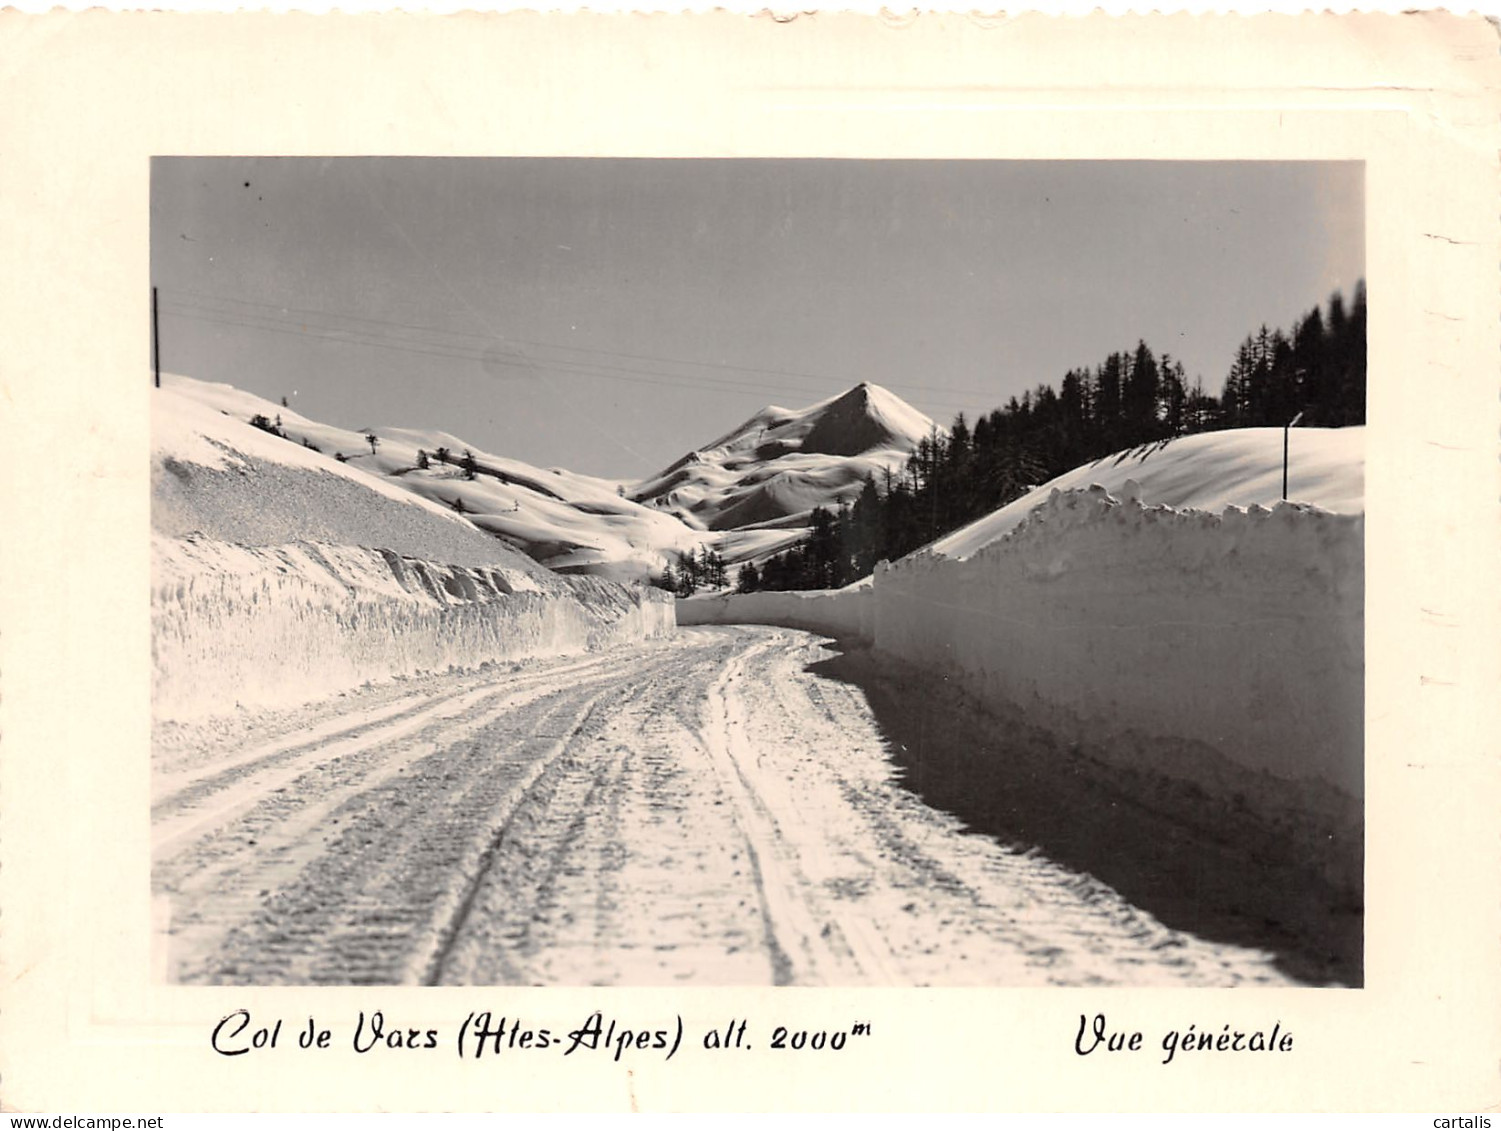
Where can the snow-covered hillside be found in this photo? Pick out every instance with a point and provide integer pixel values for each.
(759, 482)
(568, 522)
(214, 475)
(281, 575)
(1208, 472)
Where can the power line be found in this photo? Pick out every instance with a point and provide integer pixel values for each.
(508, 338)
(470, 353)
(955, 396)
(476, 353)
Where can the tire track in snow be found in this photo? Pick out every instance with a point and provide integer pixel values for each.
(630, 817)
(910, 893)
(183, 788)
(704, 810)
(801, 946)
(388, 824)
(259, 898)
(449, 937)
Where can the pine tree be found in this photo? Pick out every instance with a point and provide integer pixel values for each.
(1139, 398)
(864, 540)
(823, 551)
(1172, 398)
(1108, 401)
(1352, 364)
(687, 575)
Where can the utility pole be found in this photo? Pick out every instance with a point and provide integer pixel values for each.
(1287, 429)
(156, 341)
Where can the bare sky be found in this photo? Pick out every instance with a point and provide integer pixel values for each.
(608, 315)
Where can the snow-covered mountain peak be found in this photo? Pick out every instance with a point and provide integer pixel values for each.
(863, 419)
(772, 470)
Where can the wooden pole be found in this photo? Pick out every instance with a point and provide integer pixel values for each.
(156, 341)
(1287, 429)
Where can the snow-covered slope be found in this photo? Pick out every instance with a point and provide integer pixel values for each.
(762, 479)
(568, 522)
(281, 575)
(1210, 471)
(216, 476)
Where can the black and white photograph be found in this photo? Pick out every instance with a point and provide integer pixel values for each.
(757, 572)
(759, 562)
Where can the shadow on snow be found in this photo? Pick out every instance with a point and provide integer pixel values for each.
(1231, 881)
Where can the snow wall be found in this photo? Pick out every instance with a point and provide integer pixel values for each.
(1222, 650)
(275, 625)
(841, 613)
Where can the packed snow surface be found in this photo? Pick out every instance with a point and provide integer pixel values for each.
(698, 810)
(1210, 471)
(770, 472)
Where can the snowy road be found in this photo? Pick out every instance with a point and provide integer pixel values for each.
(700, 809)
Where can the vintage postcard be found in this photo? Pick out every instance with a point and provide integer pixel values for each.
(735, 564)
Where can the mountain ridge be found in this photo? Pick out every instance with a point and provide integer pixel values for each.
(747, 495)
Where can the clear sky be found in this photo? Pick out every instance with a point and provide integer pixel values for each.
(609, 315)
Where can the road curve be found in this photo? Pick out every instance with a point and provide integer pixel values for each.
(696, 810)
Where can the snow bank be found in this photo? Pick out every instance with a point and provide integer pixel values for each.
(280, 575)
(1218, 648)
(1210, 471)
(841, 613)
(1224, 652)
(276, 625)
